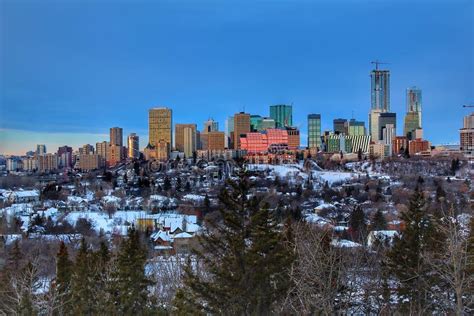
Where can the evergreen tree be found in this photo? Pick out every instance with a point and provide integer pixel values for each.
(378, 221)
(83, 282)
(207, 203)
(245, 255)
(358, 225)
(178, 184)
(129, 288)
(406, 260)
(63, 279)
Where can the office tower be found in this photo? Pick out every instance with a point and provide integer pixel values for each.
(160, 126)
(282, 114)
(380, 90)
(413, 115)
(314, 131)
(388, 133)
(65, 157)
(229, 130)
(189, 140)
(40, 149)
(241, 126)
(385, 119)
(411, 124)
(414, 101)
(293, 138)
(133, 143)
(261, 142)
(466, 135)
(116, 136)
(374, 117)
(210, 126)
(255, 123)
(216, 141)
(267, 122)
(340, 126)
(179, 138)
(355, 128)
(86, 149)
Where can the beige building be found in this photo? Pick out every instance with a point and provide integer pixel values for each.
(102, 149)
(466, 135)
(47, 162)
(114, 155)
(30, 164)
(215, 141)
(241, 126)
(377, 150)
(89, 162)
(160, 126)
(184, 139)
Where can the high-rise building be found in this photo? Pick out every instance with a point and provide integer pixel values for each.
(380, 90)
(40, 149)
(229, 130)
(133, 143)
(374, 117)
(293, 138)
(216, 141)
(65, 157)
(267, 122)
(160, 126)
(355, 128)
(418, 146)
(385, 119)
(89, 162)
(340, 126)
(47, 162)
(255, 123)
(388, 133)
(101, 148)
(189, 140)
(413, 115)
(314, 131)
(210, 126)
(116, 136)
(86, 149)
(241, 127)
(466, 135)
(282, 114)
(179, 137)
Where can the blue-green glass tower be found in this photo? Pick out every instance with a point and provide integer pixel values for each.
(282, 114)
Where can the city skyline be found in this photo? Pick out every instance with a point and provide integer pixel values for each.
(107, 76)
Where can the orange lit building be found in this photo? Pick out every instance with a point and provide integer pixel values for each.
(399, 143)
(418, 146)
(270, 140)
(293, 138)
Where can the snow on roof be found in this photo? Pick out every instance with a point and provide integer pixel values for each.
(182, 235)
(75, 199)
(163, 235)
(343, 243)
(316, 219)
(194, 197)
(10, 238)
(26, 193)
(111, 199)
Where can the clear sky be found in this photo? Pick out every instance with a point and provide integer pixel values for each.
(70, 70)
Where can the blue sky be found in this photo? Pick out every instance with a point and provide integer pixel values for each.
(72, 69)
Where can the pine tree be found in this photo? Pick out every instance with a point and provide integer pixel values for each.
(82, 282)
(178, 184)
(63, 279)
(129, 290)
(167, 184)
(378, 221)
(358, 225)
(245, 255)
(406, 260)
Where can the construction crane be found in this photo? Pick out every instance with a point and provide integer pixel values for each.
(377, 63)
(468, 106)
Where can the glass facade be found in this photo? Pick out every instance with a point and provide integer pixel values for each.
(380, 90)
(356, 128)
(314, 131)
(282, 114)
(255, 123)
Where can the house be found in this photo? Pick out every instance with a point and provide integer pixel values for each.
(384, 237)
(24, 196)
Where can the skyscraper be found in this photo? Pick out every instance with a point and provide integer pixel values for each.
(40, 149)
(210, 126)
(116, 136)
(133, 146)
(179, 137)
(340, 126)
(189, 140)
(282, 114)
(413, 115)
(314, 131)
(380, 90)
(255, 123)
(374, 117)
(386, 119)
(355, 128)
(65, 157)
(241, 126)
(229, 130)
(160, 126)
